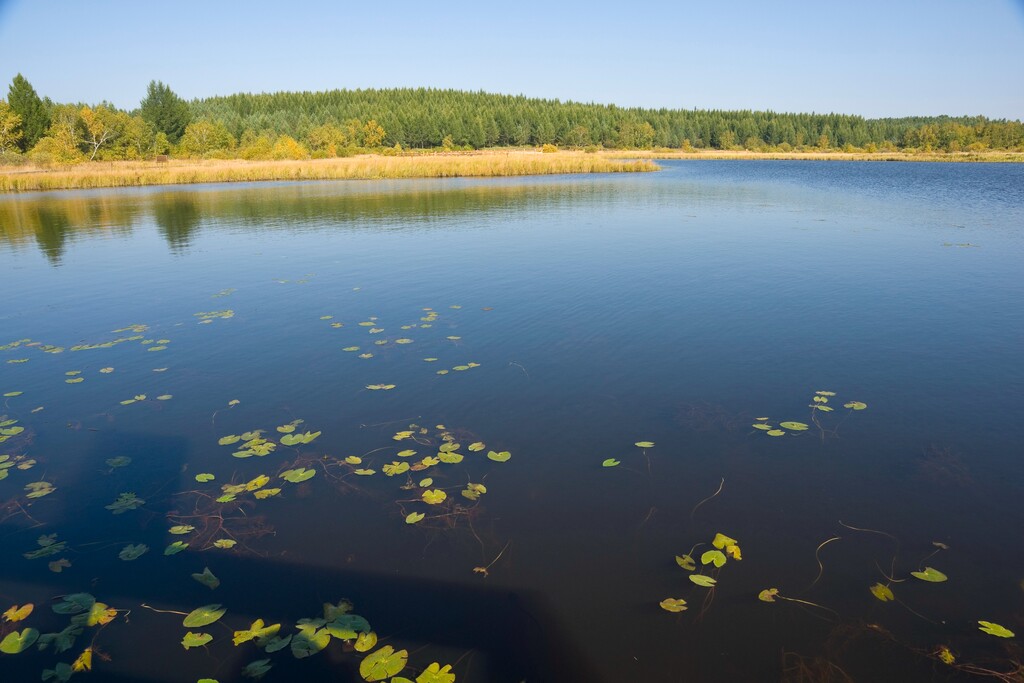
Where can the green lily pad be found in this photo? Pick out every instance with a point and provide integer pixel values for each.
(645, 444)
(175, 548)
(74, 603)
(257, 669)
(204, 477)
(768, 595)
(195, 640)
(15, 643)
(503, 456)
(257, 631)
(125, 502)
(716, 557)
(775, 432)
(991, 629)
(207, 578)
(434, 496)
(119, 461)
(382, 664)
(308, 641)
(882, 592)
(133, 552)
(721, 541)
(297, 476)
(181, 529)
(855, 405)
(930, 574)
(414, 517)
(794, 426)
(225, 543)
(435, 673)
(61, 673)
(477, 446)
(673, 605)
(686, 562)
(701, 580)
(365, 642)
(610, 462)
(203, 616)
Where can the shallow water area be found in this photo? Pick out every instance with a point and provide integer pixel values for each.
(567, 319)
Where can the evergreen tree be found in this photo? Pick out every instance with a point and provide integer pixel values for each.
(165, 111)
(35, 118)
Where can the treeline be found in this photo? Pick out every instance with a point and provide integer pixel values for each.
(298, 125)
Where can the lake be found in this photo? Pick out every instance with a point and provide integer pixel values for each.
(506, 419)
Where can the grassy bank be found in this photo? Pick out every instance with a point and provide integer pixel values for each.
(364, 167)
(989, 156)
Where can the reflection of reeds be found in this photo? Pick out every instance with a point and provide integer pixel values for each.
(364, 167)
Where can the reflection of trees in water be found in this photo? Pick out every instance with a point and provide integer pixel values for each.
(51, 232)
(53, 222)
(177, 218)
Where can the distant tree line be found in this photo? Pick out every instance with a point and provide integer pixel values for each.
(297, 125)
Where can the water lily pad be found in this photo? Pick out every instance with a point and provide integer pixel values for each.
(477, 446)
(644, 444)
(207, 578)
(74, 603)
(882, 592)
(16, 613)
(716, 557)
(203, 616)
(133, 552)
(435, 673)
(673, 605)
(204, 477)
(686, 562)
(257, 631)
(175, 548)
(181, 529)
(503, 456)
(225, 543)
(610, 462)
(119, 461)
(195, 640)
(701, 580)
(125, 502)
(406, 453)
(434, 497)
(721, 541)
(855, 405)
(991, 629)
(383, 663)
(263, 494)
(930, 574)
(229, 439)
(794, 426)
(775, 432)
(299, 475)
(15, 643)
(768, 595)
(414, 517)
(365, 642)
(257, 669)
(308, 641)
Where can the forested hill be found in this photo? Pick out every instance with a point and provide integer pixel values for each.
(426, 117)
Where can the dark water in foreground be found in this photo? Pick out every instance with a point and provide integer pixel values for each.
(675, 308)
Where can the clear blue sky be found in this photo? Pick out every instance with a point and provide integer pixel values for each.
(875, 58)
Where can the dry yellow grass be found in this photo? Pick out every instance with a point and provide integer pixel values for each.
(990, 156)
(364, 167)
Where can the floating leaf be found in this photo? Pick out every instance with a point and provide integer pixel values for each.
(204, 477)
(164, 397)
(256, 669)
(195, 640)
(225, 543)
(297, 476)
(15, 643)
(395, 468)
(74, 603)
(61, 673)
(406, 453)
(503, 456)
(882, 592)
(266, 493)
(435, 673)
(434, 497)
(119, 461)
(83, 662)
(181, 529)
(610, 462)
(449, 458)
(701, 580)
(762, 426)
(855, 405)
(365, 472)
(414, 517)
(945, 655)
(721, 541)
(365, 642)
(229, 439)
(986, 626)
(686, 562)
(379, 387)
(644, 444)
(57, 566)
(768, 595)
(930, 574)
(207, 578)
(257, 483)
(794, 426)
(257, 631)
(673, 605)
(133, 552)
(203, 616)
(477, 446)
(308, 641)
(775, 432)
(38, 489)
(125, 502)
(716, 557)
(175, 548)
(383, 663)
(16, 613)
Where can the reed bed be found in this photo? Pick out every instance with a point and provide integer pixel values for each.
(986, 156)
(364, 167)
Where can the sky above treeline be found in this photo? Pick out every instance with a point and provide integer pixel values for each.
(873, 58)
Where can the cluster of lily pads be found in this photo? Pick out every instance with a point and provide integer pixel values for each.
(819, 403)
(723, 548)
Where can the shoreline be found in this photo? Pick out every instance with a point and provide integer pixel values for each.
(479, 164)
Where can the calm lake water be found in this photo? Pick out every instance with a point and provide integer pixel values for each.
(575, 316)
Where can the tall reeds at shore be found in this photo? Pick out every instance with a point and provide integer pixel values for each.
(368, 167)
